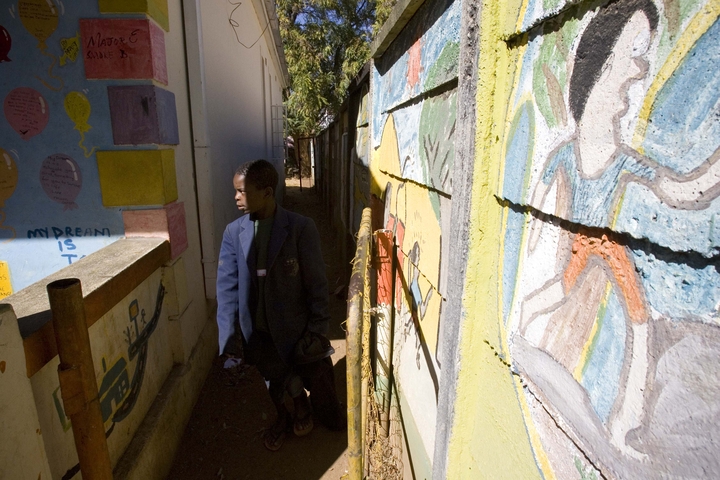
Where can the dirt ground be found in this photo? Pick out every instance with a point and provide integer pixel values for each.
(223, 438)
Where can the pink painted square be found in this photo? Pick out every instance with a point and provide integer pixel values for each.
(167, 222)
(123, 48)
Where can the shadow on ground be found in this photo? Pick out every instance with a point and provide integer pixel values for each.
(223, 439)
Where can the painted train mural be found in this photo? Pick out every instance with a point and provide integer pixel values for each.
(609, 281)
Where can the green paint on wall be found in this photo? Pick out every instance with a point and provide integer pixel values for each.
(445, 67)
(437, 144)
(421, 464)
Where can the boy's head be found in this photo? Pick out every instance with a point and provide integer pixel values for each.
(255, 183)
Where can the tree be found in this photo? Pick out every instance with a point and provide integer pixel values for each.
(326, 43)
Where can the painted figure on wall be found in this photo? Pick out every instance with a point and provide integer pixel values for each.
(609, 339)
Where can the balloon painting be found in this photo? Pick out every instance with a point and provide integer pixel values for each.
(61, 179)
(8, 176)
(8, 182)
(40, 18)
(77, 107)
(5, 44)
(26, 111)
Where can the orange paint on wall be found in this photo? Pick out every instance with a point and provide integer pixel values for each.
(622, 268)
(414, 63)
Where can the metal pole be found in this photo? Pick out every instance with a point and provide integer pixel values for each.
(354, 354)
(78, 386)
(385, 283)
(365, 362)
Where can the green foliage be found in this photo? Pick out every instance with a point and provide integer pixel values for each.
(382, 12)
(326, 43)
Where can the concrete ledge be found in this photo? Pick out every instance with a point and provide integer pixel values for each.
(401, 14)
(152, 450)
(107, 276)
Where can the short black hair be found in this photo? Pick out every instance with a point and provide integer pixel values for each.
(260, 173)
(597, 43)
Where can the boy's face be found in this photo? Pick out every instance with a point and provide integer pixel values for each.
(248, 197)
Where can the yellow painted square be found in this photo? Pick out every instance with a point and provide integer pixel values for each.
(5, 284)
(156, 9)
(137, 177)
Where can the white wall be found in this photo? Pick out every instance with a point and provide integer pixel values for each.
(236, 79)
(192, 318)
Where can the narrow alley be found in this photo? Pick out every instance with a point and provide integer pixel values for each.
(224, 436)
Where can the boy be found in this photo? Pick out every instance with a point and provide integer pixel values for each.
(271, 283)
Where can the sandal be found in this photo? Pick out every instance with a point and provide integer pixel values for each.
(274, 437)
(303, 421)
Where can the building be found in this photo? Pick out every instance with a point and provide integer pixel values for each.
(123, 124)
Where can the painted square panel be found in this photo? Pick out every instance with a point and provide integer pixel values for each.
(157, 9)
(167, 222)
(142, 114)
(137, 177)
(123, 48)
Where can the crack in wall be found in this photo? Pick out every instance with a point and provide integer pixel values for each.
(527, 387)
(691, 258)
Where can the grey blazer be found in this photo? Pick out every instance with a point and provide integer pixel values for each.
(296, 295)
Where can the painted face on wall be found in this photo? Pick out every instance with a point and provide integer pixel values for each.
(608, 99)
(248, 197)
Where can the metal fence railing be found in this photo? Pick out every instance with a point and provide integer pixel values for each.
(374, 426)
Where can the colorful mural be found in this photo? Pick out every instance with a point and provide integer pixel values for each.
(423, 59)
(128, 357)
(58, 112)
(609, 286)
(52, 119)
(413, 111)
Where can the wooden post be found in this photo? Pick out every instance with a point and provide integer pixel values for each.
(78, 386)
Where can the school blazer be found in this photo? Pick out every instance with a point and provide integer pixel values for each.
(296, 295)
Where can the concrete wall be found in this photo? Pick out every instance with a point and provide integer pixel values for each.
(590, 335)
(89, 137)
(136, 337)
(132, 360)
(413, 99)
(22, 450)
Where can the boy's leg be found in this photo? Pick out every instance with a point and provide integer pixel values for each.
(319, 378)
(303, 422)
(275, 371)
(275, 435)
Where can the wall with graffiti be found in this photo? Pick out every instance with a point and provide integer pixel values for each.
(77, 87)
(132, 358)
(602, 189)
(411, 135)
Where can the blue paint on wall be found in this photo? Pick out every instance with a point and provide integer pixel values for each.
(517, 158)
(601, 375)
(439, 23)
(678, 290)
(684, 126)
(644, 215)
(29, 208)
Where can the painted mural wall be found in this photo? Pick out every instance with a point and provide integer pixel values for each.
(95, 144)
(54, 120)
(606, 290)
(132, 360)
(411, 135)
(87, 119)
